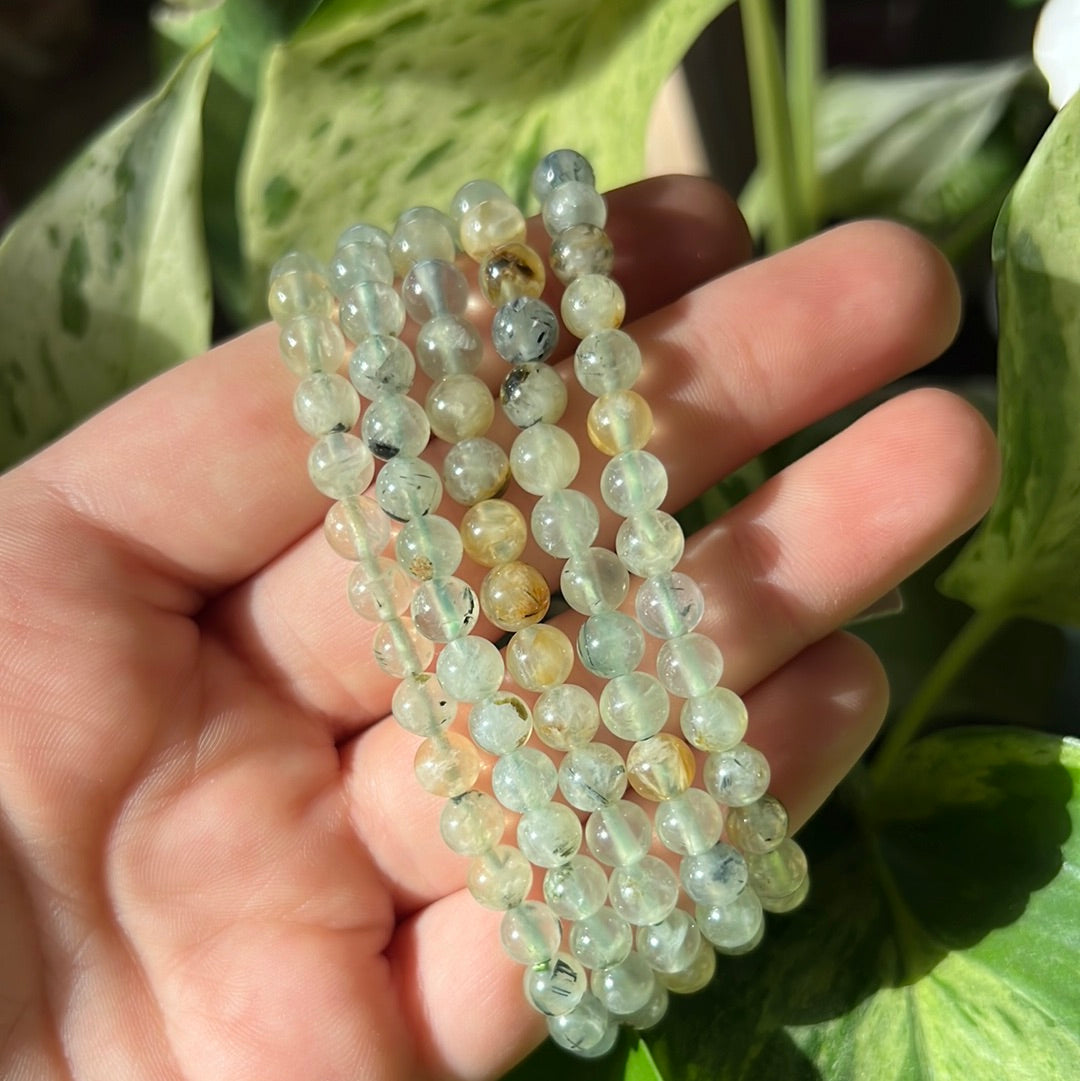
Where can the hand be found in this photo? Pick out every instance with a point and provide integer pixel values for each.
(216, 863)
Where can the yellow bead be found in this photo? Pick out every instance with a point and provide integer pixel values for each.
(491, 224)
(539, 657)
(618, 421)
(493, 532)
(514, 596)
(511, 271)
(661, 767)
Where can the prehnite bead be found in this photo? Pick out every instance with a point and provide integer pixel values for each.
(488, 225)
(432, 288)
(340, 466)
(544, 458)
(577, 889)
(395, 425)
(531, 933)
(671, 944)
(758, 827)
(471, 194)
(459, 407)
(364, 233)
(429, 547)
(594, 581)
(660, 767)
(715, 720)
(471, 823)
(634, 706)
(325, 403)
(566, 717)
(592, 777)
(421, 706)
(689, 824)
(381, 364)
(356, 528)
(624, 988)
(644, 892)
(695, 976)
(408, 488)
(621, 420)
(591, 303)
(565, 523)
(511, 271)
(602, 939)
(446, 764)
(669, 605)
(311, 343)
(359, 261)
(500, 724)
(557, 987)
(524, 779)
(558, 167)
(652, 1013)
(548, 836)
(633, 481)
(400, 650)
(493, 532)
(779, 873)
(689, 665)
(444, 608)
(539, 657)
(610, 644)
(371, 308)
(738, 776)
(650, 543)
(789, 901)
(500, 878)
(733, 926)
(618, 835)
(715, 877)
(475, 469)
(525, 330)
(514, 595)
(298, 285)
(607, 361)
(573, 203)
(587, 1031)
(380, 597)
(533, 394)
(580, 250)
(448, 345)
(421, 233)
(470, 668)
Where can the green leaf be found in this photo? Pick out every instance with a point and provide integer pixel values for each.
(103, 279)
(378, 105)
(1024, 558)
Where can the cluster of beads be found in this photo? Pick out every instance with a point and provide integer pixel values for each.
(598, 950)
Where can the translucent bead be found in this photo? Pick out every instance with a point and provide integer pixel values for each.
(661, 767)
(779, 873)
(587, 1031)
(433, 288)
(448, 345)
(493, 532)
(444, 609)
(669, 605)
(459, 407)
(325, 403)
(606, 361)
(602, 939)
(577, 889)
(738, 776)
(715, 877)
(624, 988)
(633, 481)
(371, 308)
(446, 764)
(644, 892)
(634, 706)
(715, 720)
(557, 987)
(539, 657)
(524, 779)
(359, 261)
(525, 330)
(733, 926)
(365, 233)
(566, 717)
(470, 668)
(689, 824)
(671, 944)
(395, 425)
(340, 466)
(298, 286)
(473, 193)
(695, 976)
(533, 394)
(621, 420)
(594, 581)
(421, 706)
(471, 823)
(531, 933)
(652, 1013)
(511, 271)
(311, 343)
(789, 901)
(544, 458)
(558, 167)
(500, 724)
(514, 595)
(356, 528)
(490, 224)
(421, 233)
(429, 547)
(400, 650)
(650, 543)
(380, 597)
(381, 364)
(591, 303)
(573, 203)
(565, 523)
(500, 878)
(758, 827)
(689, 665)
(592, 777)
(580, 250)
(475, 469)
(610, 644)
(548, 836)
(618, 835)
(408, 488)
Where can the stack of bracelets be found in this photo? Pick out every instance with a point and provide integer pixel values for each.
(619, 928)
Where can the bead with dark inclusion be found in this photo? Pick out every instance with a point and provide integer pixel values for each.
(525, 330)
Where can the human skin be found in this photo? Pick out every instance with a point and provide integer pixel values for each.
(215, 862)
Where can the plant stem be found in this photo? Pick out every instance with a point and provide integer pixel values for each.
(972, 637)
(805, 46)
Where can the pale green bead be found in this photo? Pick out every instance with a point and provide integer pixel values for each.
(591, 303)
(381, 364)
(606, 361)
(669, 605)
(433, 287)
(548, 836)
(359, 261)
(715, 877)
(594, 581)
(311, 343)
(471, 823)
(500, 878)
(524, 779)
(697, 975)
(470, 669)
(408, 488)
(556, 168)
(446, 764)
(689, 824)
(566, 717)
(644, 892)
(733, 926)
(579, 250)
(472, 194)
(340, 465)
(474, 470)
(421, 705)
(539, 657)
(500, 724)
(380, 597)
(422, 232)
(602, 939)
(715, 720)
(565, 523)
(356, 528)
(444, 608)
(689, 665)
(738, 776)
(779, 873)
(573, 203)
(634, 706)
(624, 988)
(298, 286)
(429, 547)
(650, 543)
(759, 826)
(619, 834)
(447, 345)
(557, 987)
(363, 232)
(325, 403)
(400, 650)
(459, 407)
(531, 933)
(587, 1031)
(670, 944)
(652, 1013)
(576, 889)
(544, 459)
(633, 481)
(533, 394)
(789, 901)
(525, 330)
(395, 425)
(610, 644)
(592, 777)
(490, 224)
(371, 308)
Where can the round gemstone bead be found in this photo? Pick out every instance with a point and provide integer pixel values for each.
(421, 706)
(621, 420)
(634, 706)
(789, 901)
(580, 250)
(514, 595)
(689, 824)
(715, 877)
(669, 605)
(671, 944)
(652, 1013)
(610, 644)
(733, 926)
(689, 665)
(470, 668)
(779, 873)
(715, 720)
(407, 488)
(558, 167)
(565, 523)
(298, 286)
(511, 271)
(548, 836)
(446, 764)
(493, 532)
(606, 361)
(644, 892)
(523, 780)
(433, 288)
(759, 826)
(395, 425)
(573, 203)
(577, 889)
(544, 459)
(473, 193)
(618, 835)
(525, 330)
(475, 469)
(633, 481)
(340, 465)
(490, 224)
(594, 581)
(557, 987)
(566, 717)
(428, 547)
(591, 303)
(650, 543)
(356, 528)
(695, 976)
(380, 597)
(357, 261)
(624, 988)
(459, 407)
(471, 823)
(539, 657)
(381, 365)
(325, 403)
(448, 345)
(311, 343)
(531, 933)
(421, 233)
(592, 777)
(661, 767)
(400, 650)
(500, 878)
(371, 308)
(500, 724)
(602, 939)
(533, 394)
(364, 233)
(738, 776)
(587, 1031)
(444, 608)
